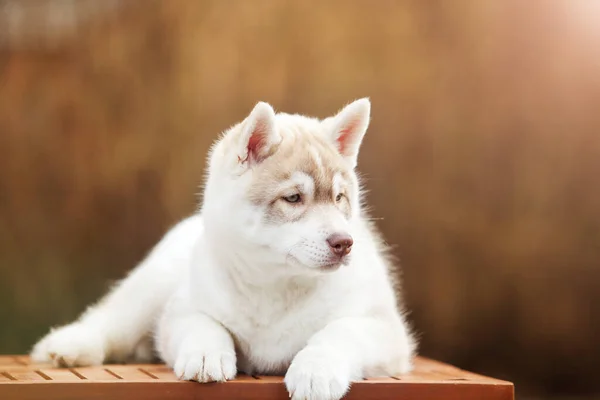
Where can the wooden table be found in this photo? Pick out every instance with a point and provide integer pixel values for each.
(431, 380)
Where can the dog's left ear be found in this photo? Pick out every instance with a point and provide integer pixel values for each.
(349, 128)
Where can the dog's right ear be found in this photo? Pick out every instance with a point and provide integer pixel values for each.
(259, 137)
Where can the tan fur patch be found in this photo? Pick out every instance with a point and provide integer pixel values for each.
(309, 154)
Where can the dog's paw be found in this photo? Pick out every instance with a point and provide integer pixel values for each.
(205, 366)
(317, 375)
(73, 345)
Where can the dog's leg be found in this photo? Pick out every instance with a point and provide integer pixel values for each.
(197, 347)
(118, 327)
(345, 350)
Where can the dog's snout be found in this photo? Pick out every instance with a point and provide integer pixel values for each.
(340, 243)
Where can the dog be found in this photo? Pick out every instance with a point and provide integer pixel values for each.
(280, 272)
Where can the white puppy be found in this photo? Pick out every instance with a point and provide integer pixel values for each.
(280, 273)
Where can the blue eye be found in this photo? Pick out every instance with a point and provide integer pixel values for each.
(295, 198)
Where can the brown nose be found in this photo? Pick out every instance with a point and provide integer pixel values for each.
(340, 243)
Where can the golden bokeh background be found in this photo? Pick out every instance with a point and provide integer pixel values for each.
(482, 160)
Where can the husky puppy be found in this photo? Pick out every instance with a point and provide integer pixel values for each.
(280, 272)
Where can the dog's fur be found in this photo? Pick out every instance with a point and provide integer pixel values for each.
(251, 283)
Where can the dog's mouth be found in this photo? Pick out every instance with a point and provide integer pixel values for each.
(331, 267)
(335, 264)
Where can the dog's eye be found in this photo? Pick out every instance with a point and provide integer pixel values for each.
(295, 198)
(338, 198)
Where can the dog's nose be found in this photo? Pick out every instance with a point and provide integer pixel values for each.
(340, 243)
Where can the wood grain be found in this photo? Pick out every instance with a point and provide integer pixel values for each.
(432, 380)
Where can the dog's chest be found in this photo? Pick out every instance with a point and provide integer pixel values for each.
(270, 328)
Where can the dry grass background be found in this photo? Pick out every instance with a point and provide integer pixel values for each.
(483, 157)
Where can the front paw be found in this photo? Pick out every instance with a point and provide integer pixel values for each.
(317, 375)
(205, 366)
(74, 345)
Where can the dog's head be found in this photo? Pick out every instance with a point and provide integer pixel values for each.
(281, 188)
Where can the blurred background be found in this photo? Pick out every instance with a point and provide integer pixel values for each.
(482, 160)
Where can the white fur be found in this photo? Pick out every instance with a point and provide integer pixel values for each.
(226, 291)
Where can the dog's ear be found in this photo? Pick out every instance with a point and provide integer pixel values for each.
(259, 137)
(349, 128)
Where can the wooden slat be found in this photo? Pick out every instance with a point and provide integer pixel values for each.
(95, 374)
(22, 360)
(450, 371)
(130, 372)
(387, 379)
(5, 377)
(8, 361)
(424, 376)
(161, 372)
(266, 378)
(18, 368)
(62, 375)
(25, 375)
